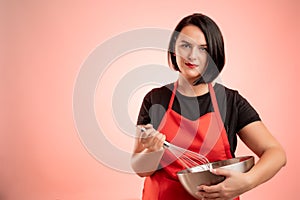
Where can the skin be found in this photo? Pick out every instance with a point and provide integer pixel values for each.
(271, 158)
(148, 150)
(190, 49)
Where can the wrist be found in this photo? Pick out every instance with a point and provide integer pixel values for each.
(250, 180)
(153, 150)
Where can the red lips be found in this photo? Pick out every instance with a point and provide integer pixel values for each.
(190, 65)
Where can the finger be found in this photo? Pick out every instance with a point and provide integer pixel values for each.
(209, 189)
(147, 139)
(204, 196)
(144, 128)
(155, 138)
(148, 126)
(160, 138)
(146, 133)
(139, 131)
(209, 195)
(221, 172)
(150, 132)
(143, 137)
(199, 195)
(156, 141)
(163, 139)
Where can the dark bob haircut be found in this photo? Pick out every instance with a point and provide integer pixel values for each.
(215, 45)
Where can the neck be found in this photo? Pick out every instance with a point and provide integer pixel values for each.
(187, 88)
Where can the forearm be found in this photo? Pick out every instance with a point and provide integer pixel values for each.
(271, 154)
(146, 162)
(270, 162)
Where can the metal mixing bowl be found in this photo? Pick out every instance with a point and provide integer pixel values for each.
(191, 178)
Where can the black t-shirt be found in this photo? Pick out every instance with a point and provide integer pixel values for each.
(235, 110)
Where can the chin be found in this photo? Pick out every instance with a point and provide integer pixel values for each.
(190, 76)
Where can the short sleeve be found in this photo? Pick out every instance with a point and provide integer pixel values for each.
(246, 113)
(154, 106)
(144, 116)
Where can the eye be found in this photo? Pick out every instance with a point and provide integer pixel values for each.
(201, 48)
(186, 45)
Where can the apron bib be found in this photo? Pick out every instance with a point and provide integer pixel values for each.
(205, 135)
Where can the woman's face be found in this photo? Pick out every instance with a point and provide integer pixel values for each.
(190, 50)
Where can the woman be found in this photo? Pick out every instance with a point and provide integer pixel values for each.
(184, 111)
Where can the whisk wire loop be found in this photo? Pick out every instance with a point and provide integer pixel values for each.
(192, 161)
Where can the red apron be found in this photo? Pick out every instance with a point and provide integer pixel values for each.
(191, 135)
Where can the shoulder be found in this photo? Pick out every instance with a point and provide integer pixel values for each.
(236, 101)
(231, 94)
(163, 89)
(232, 97)
(160, 92)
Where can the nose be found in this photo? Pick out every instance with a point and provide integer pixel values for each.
(193, 54)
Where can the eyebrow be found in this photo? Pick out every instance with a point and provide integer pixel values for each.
(203, 45)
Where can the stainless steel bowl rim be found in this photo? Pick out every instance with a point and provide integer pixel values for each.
(239, 159)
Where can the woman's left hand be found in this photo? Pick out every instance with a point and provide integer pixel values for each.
(235, 184)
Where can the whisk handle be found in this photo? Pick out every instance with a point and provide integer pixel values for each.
(166, 144)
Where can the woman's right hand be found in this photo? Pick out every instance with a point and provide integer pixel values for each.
(148, 150)
(151, 139)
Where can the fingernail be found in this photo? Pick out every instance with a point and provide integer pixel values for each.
(213, 170)
(198, 194)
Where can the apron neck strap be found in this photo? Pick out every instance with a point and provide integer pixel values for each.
(212, 96)
(173, 95)
(215, 106)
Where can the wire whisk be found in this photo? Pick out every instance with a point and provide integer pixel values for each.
(192, 161)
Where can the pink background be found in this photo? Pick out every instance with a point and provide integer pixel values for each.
(44, 44)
